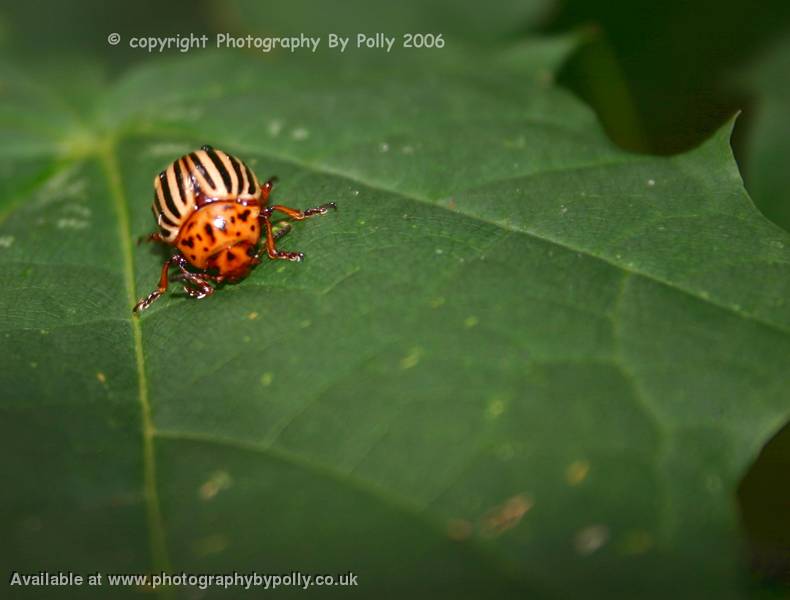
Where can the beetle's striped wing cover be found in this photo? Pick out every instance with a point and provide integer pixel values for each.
(195, 179)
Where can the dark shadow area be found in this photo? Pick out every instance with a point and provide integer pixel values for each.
(675, 60)
(764, 501)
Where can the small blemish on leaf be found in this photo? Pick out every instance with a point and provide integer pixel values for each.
(437, 302)
(300, 133)
(496, 406)
(651, 182)
(267, 378)
(252, 316)
(6, 241)
(101, 377)
(471, 321)
(384, 147)
(505, 516)
(218, 481)
(411, 359)
(590, 539)
(577, 472)
(71, 223)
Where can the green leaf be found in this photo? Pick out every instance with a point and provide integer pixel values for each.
(517, 361)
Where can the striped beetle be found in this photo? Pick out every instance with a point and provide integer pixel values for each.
(211, 208)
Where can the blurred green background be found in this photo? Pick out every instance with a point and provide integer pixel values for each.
(662, 76)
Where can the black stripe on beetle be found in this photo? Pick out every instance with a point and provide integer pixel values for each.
(165, 186)
(250, 180)
(201, 169)
(237, 169)
(223, 172)
(167, 221)
(180, 181)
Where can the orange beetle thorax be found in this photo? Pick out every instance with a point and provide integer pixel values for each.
(220, 236)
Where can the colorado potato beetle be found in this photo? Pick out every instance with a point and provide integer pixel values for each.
(211, 208)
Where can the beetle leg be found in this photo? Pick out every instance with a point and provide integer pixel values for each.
(152, 237)
(269, 246)
(279, 230)
(144, 303)
(266, 188)
(300, 215)
(294, 213)
(199, 288)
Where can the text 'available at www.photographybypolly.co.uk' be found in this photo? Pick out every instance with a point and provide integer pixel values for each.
(203, 581)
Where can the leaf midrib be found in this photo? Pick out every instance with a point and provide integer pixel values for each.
(158, 546)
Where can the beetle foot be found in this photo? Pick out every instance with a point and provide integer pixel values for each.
(144, 303)
(292, 256)
(197, 294)
(320, 210)
(199, 291)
